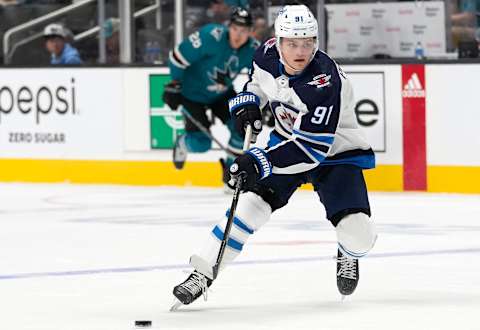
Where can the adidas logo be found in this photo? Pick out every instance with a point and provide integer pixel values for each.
(413, 88)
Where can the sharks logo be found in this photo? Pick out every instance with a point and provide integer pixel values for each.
(222, 78)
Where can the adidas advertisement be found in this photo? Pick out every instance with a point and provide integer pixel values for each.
(414, 126)
(412, 87)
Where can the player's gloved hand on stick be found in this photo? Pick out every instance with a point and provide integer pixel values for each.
(252, 166)
(172, 94)
(245, 110)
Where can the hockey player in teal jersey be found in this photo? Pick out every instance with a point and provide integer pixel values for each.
(203, 67)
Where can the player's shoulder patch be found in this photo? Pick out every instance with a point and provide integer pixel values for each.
(217, 33)
(213, 31)
(269, 44)
(323, 73)
(321, 80)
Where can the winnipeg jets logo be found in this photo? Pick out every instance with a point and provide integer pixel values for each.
(222, 78)
(285, 114)
(287, 117)
(322, 80)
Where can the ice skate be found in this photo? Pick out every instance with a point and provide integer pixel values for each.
(347, 274)
(180, 152)
(193, 287)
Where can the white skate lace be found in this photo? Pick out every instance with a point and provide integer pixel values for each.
(348, 268)
(197, 283)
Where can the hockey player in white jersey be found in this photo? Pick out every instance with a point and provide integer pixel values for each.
(316, 140)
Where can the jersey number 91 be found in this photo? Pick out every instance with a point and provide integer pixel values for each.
(321, 114)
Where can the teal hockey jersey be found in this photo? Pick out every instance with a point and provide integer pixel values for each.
(206, 65)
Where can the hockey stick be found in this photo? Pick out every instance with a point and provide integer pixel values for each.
(233, 207)
(205, 131)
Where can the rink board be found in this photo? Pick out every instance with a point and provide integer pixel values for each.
(382, 178)
(91, 125)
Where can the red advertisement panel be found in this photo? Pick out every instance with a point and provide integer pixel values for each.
(414, 131)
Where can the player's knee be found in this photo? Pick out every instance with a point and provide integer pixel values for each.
(198, 142)
(253, 211)
(356, 235)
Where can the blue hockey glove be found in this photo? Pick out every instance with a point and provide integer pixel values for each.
(251, 167)
(172, 94)
(245, 110)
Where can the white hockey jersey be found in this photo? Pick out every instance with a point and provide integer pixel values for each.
(315, 122)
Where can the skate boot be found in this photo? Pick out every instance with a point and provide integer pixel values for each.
(347, 274)
(193, 287)
(180, 152)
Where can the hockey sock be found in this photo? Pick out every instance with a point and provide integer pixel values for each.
(252, 212)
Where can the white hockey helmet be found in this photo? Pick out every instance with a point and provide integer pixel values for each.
(295, 21)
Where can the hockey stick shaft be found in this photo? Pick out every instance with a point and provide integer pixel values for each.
(205, 131)
(233, 207)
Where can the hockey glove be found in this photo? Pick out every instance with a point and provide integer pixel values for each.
(172, 94)
(251, 167)
(245, 110)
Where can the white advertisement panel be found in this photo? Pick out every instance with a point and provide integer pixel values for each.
(369, 94)
(453, 115)
(61, 113)
(376, 83)
(394, 28)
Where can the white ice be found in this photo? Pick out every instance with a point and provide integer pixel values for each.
(100, 257)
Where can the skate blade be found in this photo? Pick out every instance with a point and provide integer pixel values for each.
(176, 305)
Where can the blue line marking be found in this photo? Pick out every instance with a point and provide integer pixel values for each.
(237, 263)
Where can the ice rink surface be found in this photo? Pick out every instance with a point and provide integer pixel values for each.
(100, 257)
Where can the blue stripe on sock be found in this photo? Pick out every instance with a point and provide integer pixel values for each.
(240, 224)
(234, 244)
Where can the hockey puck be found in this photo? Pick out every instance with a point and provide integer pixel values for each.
(143, 323)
